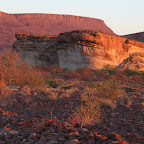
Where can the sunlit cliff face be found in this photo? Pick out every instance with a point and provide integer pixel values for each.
(77, 49)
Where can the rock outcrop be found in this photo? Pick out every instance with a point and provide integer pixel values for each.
(134, 61)
(51, 24)
(76, 49)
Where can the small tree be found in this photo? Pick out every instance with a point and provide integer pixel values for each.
(9, 66)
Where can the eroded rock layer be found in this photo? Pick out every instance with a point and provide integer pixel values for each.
(76, 49)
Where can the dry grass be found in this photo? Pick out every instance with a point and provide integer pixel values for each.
(29, 76)
(52, 95)
(88, 113)
(6, 98)
(26, 90)
(108, 103)
(111, 89)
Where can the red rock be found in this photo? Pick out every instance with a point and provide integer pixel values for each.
(104, 138)
(97, 134)
(124, 142)
(73, 141)
(74, 134)
(90, 134)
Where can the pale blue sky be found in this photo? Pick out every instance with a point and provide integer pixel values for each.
(122, 16)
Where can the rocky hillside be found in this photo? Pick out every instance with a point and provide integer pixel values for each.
(77, 49)
(45, 24)
(134, 61)
(136, 36)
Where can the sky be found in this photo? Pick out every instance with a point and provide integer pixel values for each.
(122, 16)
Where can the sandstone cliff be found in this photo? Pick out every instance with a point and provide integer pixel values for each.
(76, 49)
(44, 24)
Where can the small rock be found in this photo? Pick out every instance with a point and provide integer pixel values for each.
(61, 139)
(13, 132)
(32, 135)
(90, 134)
(74, 134)
(115, 142)
(83, 130)
(73, 141)
(51, 142)
(25, 136)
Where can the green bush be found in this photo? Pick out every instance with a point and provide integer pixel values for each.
(131, 72)
(52, 83)
(110, 69)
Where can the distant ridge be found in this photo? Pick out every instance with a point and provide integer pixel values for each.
(45, 24)
(136, 36)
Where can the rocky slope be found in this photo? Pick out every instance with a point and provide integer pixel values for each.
(77, 49)
(33, 118)
(44, 24)
(136, 36)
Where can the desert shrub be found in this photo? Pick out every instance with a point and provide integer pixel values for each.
(110, 69)
(52, 95)
(108, 66)
(65, 95)
(88, 94)
(57, 70)
(46, 75)
(52, 83)
(131, 72)
(85, 73)
(68, 92)
(71, 75)
(141, 83)
(111, 89)
(108, 103)
(30, 77)
(9, 68)
(88, 113)
(92, 94)
(50, 92)
(67, 70)
(72, 90)
(26, 90)
(6, 99)
(45, 68)
(137, 78)
(142, 73)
